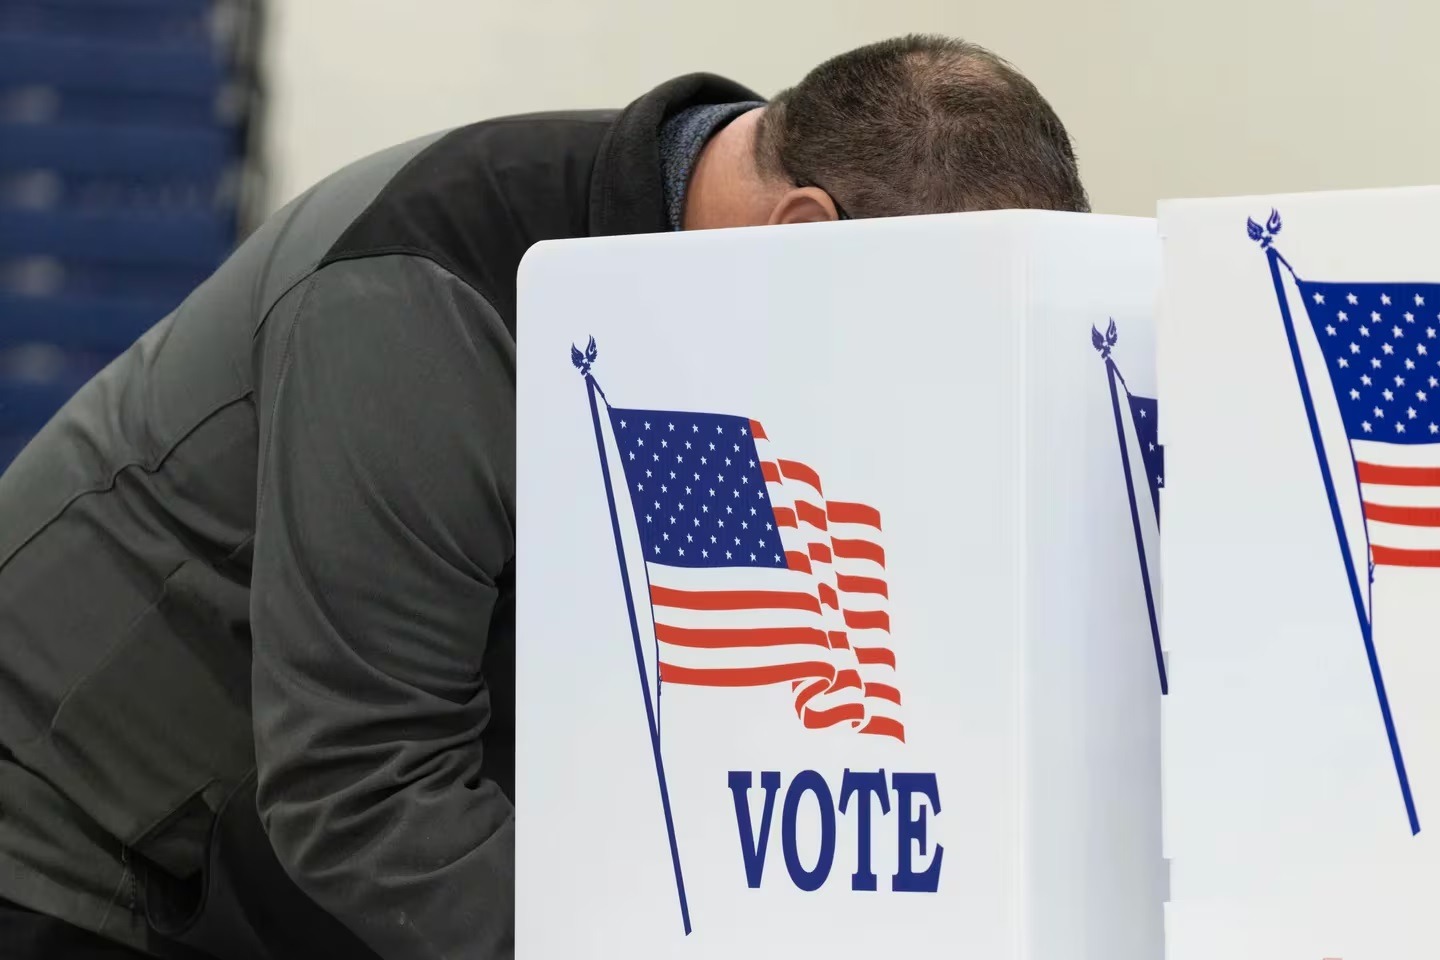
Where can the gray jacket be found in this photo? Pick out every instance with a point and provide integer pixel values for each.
(257, 578)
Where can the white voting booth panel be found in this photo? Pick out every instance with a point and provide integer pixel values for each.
(834, 631)
(1300, 375)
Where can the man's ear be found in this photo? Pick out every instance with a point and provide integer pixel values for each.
(804, 205)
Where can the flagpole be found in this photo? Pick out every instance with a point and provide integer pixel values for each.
(1366, 623)
(592, 388)
(1112, 374)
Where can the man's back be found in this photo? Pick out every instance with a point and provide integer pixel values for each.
(192, 581)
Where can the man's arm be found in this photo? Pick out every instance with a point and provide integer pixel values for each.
(386, 516)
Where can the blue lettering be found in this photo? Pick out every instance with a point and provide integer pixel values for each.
(863, 784)
(911, 831)
(917, 797)
(751, 849)
(808, 781)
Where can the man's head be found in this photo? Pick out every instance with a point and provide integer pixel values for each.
(917, 125)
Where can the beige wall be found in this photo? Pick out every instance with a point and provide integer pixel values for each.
(1163, 98)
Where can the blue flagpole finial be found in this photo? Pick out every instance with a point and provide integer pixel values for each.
(1104, 343)
(1265, 235)
(584, 361)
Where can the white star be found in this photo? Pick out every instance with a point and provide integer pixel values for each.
(712, 491)
(664, 489)
(695, 428)
(712, 446)
(632, 454)
(727, 554)
(705, 554)
(1385, 299)
(761, 544)
(657, 504)
(682, 551)
(1388, 395)
(1374, 316)
(639, 486)
(760, 494)
(719, 478)
(1419, 300)
(744, 525)
(1399, 428)
(744, 478)
(737, 541)
(769, 526)
(1399, 380)
(728, 511)
(1343, 362)
(672, 428)
(1387, 348)
(657, 548)
(777, 558)
(1342, 316)
(1375, 363)
(743, 431)
(737, 494)
(664, 444)
(1420, 349)
(1365, 426)
(1364, 331)
(1409, 364)
(1142, 414)
(1409, 317)
(704, 508)
(1354, 394)
(752, 463)
(752, 513)
(752, 558)
(697, 521)
(1354, 348)
(687, 444)
(1319, 298)
(647, 518)
(682, 506)
(647, 426)
(718, 428)
(722, 524)
(702, 461)
(666, 536)
(727, 461)
(1378, 412)
(1435, 381)
(672, 521)
(1152, 446)
(1435, 428)
(1365, 379)
(672, 474)
(712, 538)
(689, 538)
(1411, 413)
(737, 448)
(622, 424)
(1330, 329)
(1351, 299)
(640, 442)
(1430, 332)
(1396, 332)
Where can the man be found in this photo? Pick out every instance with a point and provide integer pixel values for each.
(257, 578)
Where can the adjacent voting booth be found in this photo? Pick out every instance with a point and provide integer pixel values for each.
(837, 623)
(1300, 384)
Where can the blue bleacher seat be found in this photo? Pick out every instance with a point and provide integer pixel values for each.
(120, 142)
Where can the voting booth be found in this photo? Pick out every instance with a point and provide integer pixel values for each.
(1300, 383)
(838, 628)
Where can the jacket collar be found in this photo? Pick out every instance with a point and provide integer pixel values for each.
(627, 192)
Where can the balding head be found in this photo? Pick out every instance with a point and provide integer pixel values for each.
(919, 125)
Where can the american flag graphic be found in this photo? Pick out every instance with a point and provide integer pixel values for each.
(755, 577)
(1378, 343)
(1381, 344)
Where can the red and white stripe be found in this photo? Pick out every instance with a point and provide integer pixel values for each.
(1400, 489)
(821, 624)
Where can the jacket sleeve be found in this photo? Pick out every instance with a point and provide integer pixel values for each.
(386, 516)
